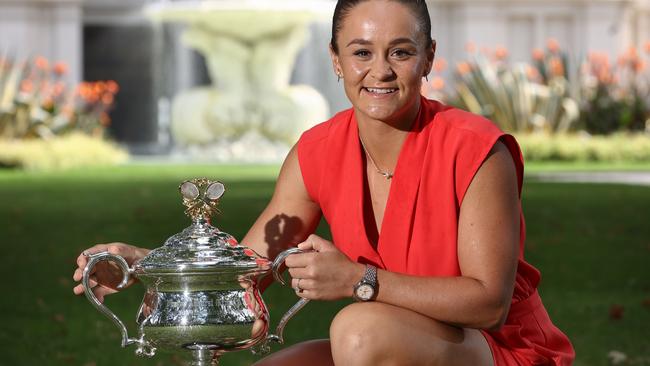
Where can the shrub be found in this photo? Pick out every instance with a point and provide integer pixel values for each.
(582, 147)
(68, 151)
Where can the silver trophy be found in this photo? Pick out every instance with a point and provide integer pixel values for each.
(202, 288)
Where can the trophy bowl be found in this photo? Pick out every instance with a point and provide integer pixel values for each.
(202, 288)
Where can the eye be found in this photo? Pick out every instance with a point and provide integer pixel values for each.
(362, 53)
(401, 53)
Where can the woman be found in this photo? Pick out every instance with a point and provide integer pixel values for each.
(423, 205)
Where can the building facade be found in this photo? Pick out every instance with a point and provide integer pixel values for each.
(101, 39)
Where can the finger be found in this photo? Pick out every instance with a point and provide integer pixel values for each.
(306, 245)
(101, 292)
(299, 272)
(309, 243)
(79, 289)
(302, 284)
(100, 296)
(299, 260)
(320, 245)
(77, 274)
(83, 257)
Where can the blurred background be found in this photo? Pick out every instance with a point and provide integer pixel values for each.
(107, 105)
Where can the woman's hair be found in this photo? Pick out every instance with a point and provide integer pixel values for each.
(418, 7)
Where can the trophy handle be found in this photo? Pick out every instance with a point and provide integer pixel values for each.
(279, 260)
(93, 259)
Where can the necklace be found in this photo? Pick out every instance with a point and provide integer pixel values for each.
(386, 174)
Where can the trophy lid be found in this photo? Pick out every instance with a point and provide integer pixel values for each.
(201, 247)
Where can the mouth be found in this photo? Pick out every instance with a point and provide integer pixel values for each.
(380, 91)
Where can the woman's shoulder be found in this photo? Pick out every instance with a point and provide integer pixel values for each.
(458, 121)
(320, 131)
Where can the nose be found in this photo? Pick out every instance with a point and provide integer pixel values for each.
(381, 69)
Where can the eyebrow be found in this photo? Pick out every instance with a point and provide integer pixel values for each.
(364, 42)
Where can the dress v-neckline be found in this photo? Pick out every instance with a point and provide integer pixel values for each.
(396, 184)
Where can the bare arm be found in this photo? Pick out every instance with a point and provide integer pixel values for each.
(287, 220)
(289, 217)
(488, 246)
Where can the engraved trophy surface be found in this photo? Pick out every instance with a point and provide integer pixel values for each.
(202, 288)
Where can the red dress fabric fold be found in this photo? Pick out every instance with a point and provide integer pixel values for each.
(419, 233)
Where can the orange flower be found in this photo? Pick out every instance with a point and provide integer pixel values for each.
(532, 73)
(438, 83)
(439, 65)
(601, 59)
(58, 88)
(99, 87)
(107, 99)
(104, 119)
(60, 68)
(647, 47)
(501, 53)
(556, 66)
(553, 45)
(26, 86)
(604, 76)
(632, 52)
(48, 103)
(470, 47)
(112, 86)
(463, 68)
(538, 54)
(41, 63)
(68, 111)
(639, 66)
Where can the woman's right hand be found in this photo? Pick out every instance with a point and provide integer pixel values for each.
(106, 275)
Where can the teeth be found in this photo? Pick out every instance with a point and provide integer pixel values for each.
(380, 91)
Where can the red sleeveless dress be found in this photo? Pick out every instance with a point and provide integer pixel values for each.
(439, 158)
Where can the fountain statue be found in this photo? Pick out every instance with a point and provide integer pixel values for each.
(250, 112)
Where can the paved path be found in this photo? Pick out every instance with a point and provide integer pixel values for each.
(631, 178)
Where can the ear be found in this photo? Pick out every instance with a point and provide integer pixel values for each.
(431, 55)
(335, 61)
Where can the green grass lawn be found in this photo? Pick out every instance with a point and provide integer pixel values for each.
(591, 242)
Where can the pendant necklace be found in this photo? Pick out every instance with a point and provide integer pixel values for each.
(386, 174)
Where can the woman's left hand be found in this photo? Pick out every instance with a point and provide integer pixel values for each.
(323, 272)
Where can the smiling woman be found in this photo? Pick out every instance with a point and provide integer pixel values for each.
(423, 203)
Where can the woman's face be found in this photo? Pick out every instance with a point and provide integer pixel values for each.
(382, 59)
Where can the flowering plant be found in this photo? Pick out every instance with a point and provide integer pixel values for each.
(615, 96)
(35, 101)
(517, 98)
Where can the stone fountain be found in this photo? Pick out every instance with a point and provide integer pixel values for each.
(250, 112)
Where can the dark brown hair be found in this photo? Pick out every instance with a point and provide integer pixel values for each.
(418, 7)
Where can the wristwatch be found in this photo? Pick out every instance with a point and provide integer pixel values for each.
(366, 289)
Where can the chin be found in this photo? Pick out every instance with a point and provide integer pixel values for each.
(381, 115)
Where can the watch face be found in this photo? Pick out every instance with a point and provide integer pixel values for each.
(365, 292)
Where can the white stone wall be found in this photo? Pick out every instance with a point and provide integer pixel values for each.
(43, 27)
(580, 26)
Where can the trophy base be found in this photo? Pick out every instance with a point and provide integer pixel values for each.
(204, 355)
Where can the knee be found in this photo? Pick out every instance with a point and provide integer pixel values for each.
(364, 334)
(373, 334)
(355, 335)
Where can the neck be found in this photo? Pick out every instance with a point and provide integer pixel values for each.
(383, 140)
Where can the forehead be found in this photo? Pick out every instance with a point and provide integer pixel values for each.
(379, 20)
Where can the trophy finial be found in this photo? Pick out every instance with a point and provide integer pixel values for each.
(201, 197)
